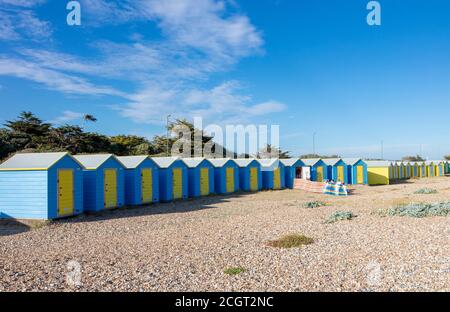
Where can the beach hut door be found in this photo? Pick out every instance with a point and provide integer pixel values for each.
(204, 181)
(65, 192)
(110, 177)
(177, 183)
(359, 175)
(276, 179)
(147, 185)
(230, 180)
(253, 179)
(319, 174)
(340, 174)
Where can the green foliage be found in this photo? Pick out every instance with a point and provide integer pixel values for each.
(339, 216)
(413, 158)
(426, 191)
(314, 204)
(291, 241)
(234, 271)
(28, 133)
(420, 210)
(312, 156)
(447, 157)
(272, 152)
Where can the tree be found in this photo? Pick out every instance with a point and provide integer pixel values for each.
(413, 158)
(311, 156)
(28, 131)
(272, 152)
(89, 118)
(69, 138)
(127, 144)
(447, 157)
(5, 146)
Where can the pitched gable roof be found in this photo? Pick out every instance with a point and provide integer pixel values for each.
(290, 161)
(219, 162)
(244, 162)
(310, 161)
(164, 162)
(331, 161)
(193, 162)
(132, 162)
(95, 160)
(32, 161)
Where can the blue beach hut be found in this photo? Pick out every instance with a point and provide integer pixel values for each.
(423, 169)
(357, 171)
(292, 170)
(273, 174)
(250, 176)
(401, 170)
(103, 182)
(430, 168)
(201, 176)
(319, 169)
(173, 178)
(41, 186)
(141, 180)
(337, 169)
(226, 175)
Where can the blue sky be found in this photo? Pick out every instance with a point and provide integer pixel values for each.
(308, 66)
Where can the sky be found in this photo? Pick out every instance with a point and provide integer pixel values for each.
(307, 66)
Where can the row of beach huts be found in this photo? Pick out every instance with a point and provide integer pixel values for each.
(55, 185)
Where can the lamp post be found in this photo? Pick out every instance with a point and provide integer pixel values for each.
(167, 137)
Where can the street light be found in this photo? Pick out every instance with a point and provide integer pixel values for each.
(167, 138)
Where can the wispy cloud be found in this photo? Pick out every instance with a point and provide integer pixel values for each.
(223, 103)
(53, 79)
(18, 21)
(67, 116)
(199, 38)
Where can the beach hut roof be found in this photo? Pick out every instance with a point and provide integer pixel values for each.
(33, 161)
(165, 162)
(378, 163)
(244, 162)
(331, 161)
(132, 162)
(94, 161)
(351, 161)
(311, 161)
(193, 162)
(219, 162)
(269, 163)
(289, 161)
(429, 162)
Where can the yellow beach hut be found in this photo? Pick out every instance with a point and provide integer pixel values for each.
(378, 172)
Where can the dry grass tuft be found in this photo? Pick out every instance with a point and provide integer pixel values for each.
(234, 270)
(291, 241)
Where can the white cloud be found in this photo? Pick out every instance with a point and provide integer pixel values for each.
(199, 38)
(18, 23)
(68, 116)
(22, 3)
(53, 79)
(224, 103)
